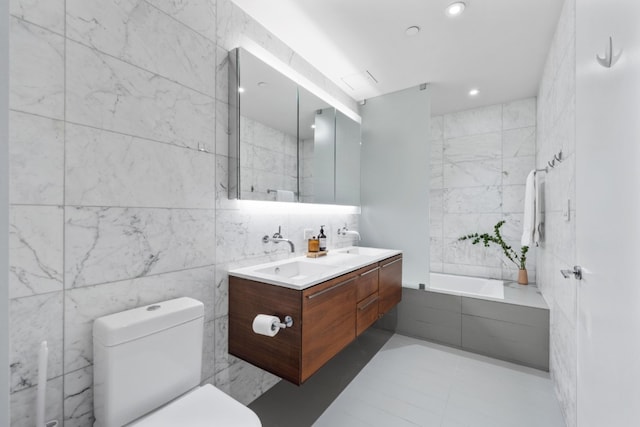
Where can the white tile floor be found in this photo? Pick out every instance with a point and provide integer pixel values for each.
(416, 383)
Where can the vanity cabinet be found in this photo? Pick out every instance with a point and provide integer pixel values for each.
(390, 283)
(326, 317)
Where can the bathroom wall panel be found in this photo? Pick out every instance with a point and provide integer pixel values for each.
(555, 131)
(102, 169)
(110, 244)
(36, 157)
(140, 34)
(198, 15)
(487, 154)
(108, 93)
(36, 250)
(36, 70)
(48, 14)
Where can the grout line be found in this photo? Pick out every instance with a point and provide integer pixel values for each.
(156, 74)
(64, 211)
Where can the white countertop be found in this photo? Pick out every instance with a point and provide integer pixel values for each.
(302, 272)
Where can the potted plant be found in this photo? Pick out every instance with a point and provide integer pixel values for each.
(519, 260)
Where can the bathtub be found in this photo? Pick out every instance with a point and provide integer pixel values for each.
(465, 285)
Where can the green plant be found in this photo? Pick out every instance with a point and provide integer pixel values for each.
(510, 253)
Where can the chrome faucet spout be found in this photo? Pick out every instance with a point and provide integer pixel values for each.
(277, 238)
(344, 231)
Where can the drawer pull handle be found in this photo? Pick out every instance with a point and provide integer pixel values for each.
(368, 304)
(392, 262)
(324, 291)
(370, 271)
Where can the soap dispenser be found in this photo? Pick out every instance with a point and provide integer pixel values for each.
(323, 239)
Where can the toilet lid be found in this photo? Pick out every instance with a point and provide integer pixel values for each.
(205, 406)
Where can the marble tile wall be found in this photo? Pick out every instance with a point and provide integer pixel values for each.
(118, 155)
(556, 131)
(480, 159)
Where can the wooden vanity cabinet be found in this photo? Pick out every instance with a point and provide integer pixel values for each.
(328, 321)
(326, 318)
(390, 283)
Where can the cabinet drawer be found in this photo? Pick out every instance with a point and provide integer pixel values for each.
(366, 313)
(367, 283)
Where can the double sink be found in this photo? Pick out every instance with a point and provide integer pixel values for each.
(302, 272)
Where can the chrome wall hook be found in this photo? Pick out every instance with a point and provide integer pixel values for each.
(610, 58)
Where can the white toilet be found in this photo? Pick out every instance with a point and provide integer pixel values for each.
(147, 364)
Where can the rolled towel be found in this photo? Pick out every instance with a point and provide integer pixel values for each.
(529, 220)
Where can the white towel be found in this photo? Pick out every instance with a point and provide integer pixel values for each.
(284, 196)
(529, 220)
(538, 227)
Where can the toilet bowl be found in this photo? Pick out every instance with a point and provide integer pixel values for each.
(147, 367)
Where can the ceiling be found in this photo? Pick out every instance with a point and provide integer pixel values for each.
(496, 46)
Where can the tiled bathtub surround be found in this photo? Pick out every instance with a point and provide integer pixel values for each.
(556, 131)
(480, 159)
(113, 206)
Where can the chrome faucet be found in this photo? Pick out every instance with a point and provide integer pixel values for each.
(345, 231)
(277, 238)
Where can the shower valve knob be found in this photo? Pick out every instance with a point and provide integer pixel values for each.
(576, 272)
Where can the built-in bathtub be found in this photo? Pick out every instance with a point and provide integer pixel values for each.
(492, 317)
(465, 285)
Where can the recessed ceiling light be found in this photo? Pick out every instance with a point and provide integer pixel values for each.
(456, 8)
(412, 31)
(240, 89)
(313, 126)
(474, 92)
(262, 84)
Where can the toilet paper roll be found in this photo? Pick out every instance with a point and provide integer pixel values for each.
(264, 324)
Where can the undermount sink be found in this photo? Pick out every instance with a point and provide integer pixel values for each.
(296, 269)
(363, 251)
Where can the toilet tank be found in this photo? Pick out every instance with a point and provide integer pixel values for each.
(144, 358)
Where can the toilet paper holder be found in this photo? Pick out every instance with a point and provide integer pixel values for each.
(288, 322)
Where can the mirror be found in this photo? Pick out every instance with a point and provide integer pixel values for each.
(265, 126)
(286, 143)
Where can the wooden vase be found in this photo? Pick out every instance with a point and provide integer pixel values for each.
(523, 278)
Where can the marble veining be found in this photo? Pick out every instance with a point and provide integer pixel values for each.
(36, 70)
(36, 158)
(480, 161)
(110, 244)
(139, 33)
(34, 319)
(107, 93)
(36, 250)
(22, 403)
(45, 13)
(199, 15)
(78, 398)
(103, 169)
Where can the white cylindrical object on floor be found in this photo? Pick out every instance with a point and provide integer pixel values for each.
(41, 400)
(264, 324)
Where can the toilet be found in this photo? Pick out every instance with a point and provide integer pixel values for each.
(147, 367)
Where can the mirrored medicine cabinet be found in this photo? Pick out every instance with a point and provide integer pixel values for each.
(286, 143)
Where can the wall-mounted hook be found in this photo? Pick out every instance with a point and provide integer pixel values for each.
(558, 156)
(610, 58)
(552, 163)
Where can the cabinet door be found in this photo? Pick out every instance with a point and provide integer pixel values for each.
(366, 313)
(328, 321)
(390, 283)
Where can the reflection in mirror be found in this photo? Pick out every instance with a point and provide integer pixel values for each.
(347, 162)
(266, 142)
(317, 149)
(286, 143)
